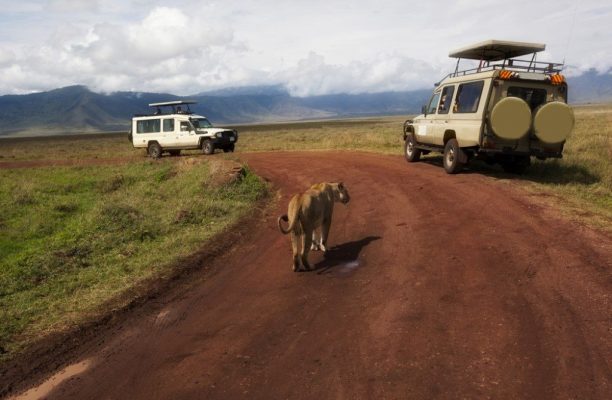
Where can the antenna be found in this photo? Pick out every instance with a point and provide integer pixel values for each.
(569, 38)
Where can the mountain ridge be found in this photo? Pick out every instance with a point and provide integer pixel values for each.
(78, 109)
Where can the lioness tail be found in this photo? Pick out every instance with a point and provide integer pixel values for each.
(293, 219)
(280, 226)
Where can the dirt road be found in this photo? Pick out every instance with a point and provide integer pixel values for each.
(436, 286)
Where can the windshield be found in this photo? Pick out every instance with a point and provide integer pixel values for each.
(201, 123)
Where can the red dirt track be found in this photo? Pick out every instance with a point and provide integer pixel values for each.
(435, 287)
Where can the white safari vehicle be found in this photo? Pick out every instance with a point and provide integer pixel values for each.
(172, 127)
(504, 111)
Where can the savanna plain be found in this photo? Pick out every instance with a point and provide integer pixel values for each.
(86, 221)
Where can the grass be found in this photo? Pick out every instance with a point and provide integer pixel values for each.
(582, 180)
(580, 183)
(73, 238)
(382, 135)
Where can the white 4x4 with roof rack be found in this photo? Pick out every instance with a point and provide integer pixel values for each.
(505, 110)
(173, 127)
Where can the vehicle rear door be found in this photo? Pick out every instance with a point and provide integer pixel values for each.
(169, 132)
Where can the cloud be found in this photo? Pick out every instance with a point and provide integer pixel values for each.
(314, 47)
(314, 76)
(73, 5)
(165, 50)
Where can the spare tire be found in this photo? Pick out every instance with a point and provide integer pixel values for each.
(553, 122)
(511, 118)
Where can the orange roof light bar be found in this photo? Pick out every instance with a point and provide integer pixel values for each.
(557, 79)
(505, 74)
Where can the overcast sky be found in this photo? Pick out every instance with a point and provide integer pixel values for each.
(311, 47)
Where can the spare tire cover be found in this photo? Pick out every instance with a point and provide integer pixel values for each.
(511, 118)
(553, 122)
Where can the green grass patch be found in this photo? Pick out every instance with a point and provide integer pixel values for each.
(73, 238)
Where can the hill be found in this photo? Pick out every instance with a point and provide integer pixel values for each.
(78, 109)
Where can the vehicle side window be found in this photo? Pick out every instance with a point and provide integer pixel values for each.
(148, 126)
(185, 126)
(445, 101)
(468, 97)
(168, 125)
(533, 97)
(433, 103)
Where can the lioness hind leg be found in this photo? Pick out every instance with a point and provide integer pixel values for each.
(325, 234)
(296, 251)
(306, 243)
(316, 240)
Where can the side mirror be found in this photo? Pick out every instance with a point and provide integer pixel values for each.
(424, 110)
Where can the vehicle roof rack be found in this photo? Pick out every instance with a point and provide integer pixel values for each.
(500, 54)
(173, 103)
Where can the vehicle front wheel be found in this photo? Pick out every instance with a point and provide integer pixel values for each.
(154, 150)
(228, 148)
(208, 147)
(452, 155)
(411, 153)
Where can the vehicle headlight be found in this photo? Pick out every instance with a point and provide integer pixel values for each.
(219, 134)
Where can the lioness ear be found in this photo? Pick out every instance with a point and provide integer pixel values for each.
(340, 185)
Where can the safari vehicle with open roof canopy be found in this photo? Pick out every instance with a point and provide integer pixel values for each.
(172, 127)
(506, 110)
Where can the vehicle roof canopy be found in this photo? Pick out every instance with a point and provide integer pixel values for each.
(495, 50)
(173, 103)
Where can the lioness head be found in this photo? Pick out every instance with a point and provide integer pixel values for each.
(340, 193)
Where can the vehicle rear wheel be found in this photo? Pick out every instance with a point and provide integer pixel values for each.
(154, 150)
(452, 163)
(411, 153)
(208, 147)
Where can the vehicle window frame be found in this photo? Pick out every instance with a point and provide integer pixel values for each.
(187, 124)
(164, 125)
(144, 126)
(449, 100)
(533, 89)
(434, 109)
(459, 103)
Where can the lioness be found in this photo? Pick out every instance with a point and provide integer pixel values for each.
(308, 213)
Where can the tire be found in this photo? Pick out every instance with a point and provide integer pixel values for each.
(411, 153)
(174, 152)
(154, 150)
(208, 147)
(517, 166)
(228, 148)
(451, 162)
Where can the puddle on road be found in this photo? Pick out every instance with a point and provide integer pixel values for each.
(349, 266)
(43, 390)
